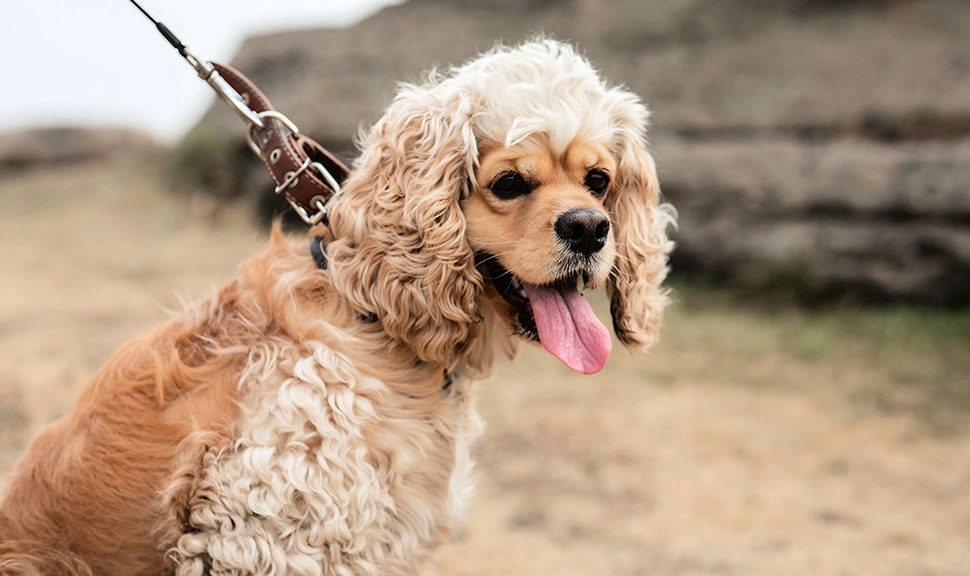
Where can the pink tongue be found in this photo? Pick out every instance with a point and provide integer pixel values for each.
(568, 329)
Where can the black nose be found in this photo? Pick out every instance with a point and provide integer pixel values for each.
(583, 230)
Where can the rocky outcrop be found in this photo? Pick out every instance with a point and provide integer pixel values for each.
(57, 146)
(818, 143)
(882, 222)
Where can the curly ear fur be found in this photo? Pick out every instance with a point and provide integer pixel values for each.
(640, 223)
(399, 251)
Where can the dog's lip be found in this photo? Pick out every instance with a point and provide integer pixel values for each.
(505, 282)
(510, 288)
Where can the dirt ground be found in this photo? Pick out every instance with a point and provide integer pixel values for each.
(755, 439)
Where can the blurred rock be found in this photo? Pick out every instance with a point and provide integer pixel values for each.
(884, 222)
(819, 142)
(54, 146)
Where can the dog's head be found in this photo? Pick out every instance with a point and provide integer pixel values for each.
(497, 190)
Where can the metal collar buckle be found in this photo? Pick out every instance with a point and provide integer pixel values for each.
(321, 204)
(318, 202)
(292, 178)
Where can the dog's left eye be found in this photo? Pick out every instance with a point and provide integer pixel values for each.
(511, 185)
(597, 181)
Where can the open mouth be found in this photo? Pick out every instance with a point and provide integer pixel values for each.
(555, 315)
(510, 288)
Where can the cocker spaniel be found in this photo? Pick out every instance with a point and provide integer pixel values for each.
(308, 421)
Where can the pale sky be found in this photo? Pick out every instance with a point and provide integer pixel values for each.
(100, 62)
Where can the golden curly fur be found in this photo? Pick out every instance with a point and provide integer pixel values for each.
(307, 421)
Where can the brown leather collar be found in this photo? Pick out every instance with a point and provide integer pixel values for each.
(306, 173)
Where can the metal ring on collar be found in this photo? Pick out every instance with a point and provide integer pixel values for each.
(263, 115)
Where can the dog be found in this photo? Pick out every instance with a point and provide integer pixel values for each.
(316, 420)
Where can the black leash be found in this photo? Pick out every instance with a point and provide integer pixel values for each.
(172, 38)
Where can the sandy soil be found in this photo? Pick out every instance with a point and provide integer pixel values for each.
(751, 441)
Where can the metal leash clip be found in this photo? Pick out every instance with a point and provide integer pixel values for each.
(228, 94)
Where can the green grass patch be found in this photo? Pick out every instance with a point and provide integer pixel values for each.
(890, 359)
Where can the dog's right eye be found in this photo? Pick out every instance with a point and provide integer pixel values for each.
(511, 185)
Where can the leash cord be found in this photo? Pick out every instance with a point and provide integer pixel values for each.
(163, 30)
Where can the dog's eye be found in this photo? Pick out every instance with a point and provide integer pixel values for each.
(597, 181)
(511, 185)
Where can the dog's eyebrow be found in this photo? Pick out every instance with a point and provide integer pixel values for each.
(593, 160)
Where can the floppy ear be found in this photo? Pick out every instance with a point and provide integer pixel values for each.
(400, 252)
(640, 223)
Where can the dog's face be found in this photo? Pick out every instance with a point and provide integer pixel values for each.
(496, 191)
(538, 223)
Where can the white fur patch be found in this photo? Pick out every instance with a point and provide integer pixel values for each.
(330, 475)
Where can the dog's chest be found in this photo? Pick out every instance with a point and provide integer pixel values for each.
(333, 469)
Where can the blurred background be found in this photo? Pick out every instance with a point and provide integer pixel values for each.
(808, 408)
